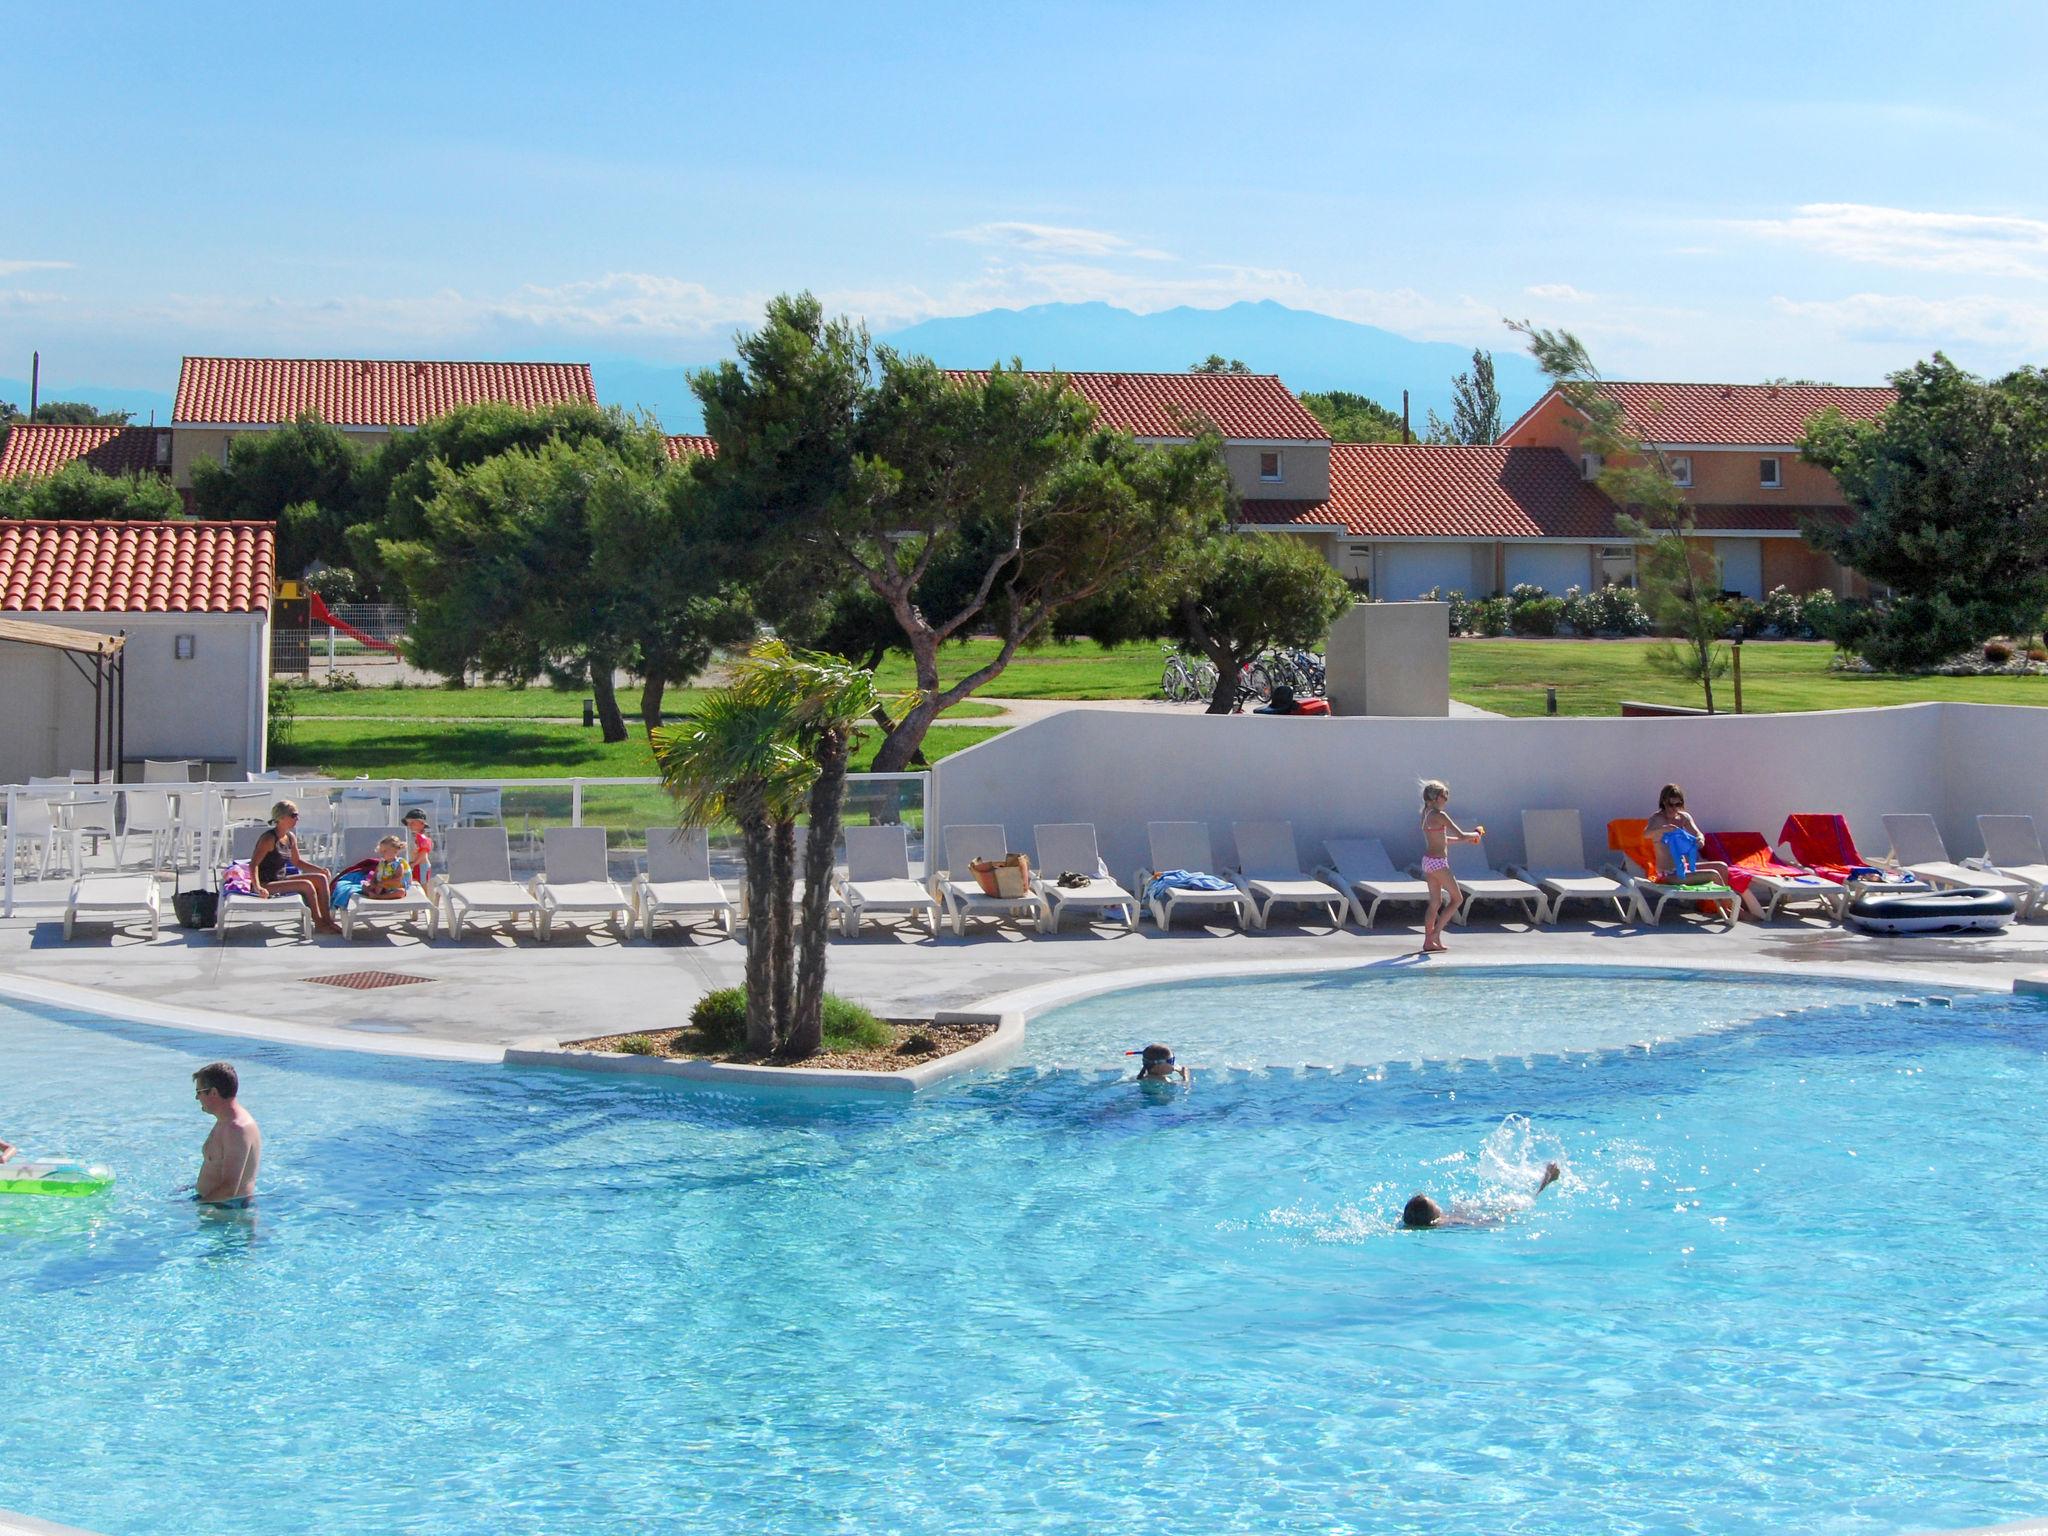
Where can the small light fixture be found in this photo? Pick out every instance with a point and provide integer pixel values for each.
(181, 647)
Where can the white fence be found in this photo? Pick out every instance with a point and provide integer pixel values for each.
(55, 831)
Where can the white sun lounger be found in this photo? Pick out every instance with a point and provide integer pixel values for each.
(1359, 867)
(835, 904)
(1185, 845)
(1480, 881)
(476, 877)
(359, 843)
(256, 909)
(577, 881)
(2013, 848)
(1917, 846)
(1269, 871)
(1068, 847)
(961, 895)
(677, 881)
(96, 896)
(1555, 847)
(877, 879)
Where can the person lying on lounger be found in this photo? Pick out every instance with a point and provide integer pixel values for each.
(1422, 1213)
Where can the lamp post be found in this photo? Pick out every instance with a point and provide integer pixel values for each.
(1735, 638)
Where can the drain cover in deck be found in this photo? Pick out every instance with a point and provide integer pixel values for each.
(365, 981)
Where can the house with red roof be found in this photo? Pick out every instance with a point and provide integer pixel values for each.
(192, 603)
(221, 398)
(44, 447)
(1734, 449)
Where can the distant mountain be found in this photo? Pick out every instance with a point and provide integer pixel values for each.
(104, 397)
(1308, 350)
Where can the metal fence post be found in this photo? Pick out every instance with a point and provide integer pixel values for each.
(575, 802)
(11, 823)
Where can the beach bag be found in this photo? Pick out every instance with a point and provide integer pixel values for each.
(1009, 878)
(195, 909)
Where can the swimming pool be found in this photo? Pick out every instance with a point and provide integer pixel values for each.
(1793, 1279)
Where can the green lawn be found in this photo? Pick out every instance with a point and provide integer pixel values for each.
(1080, 671)
(1592, 677)
(503, 703)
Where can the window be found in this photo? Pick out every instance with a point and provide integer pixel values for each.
(1769, 474)
(1269, 467)
(1590, 465)
(1618, 565)
(1681, 468)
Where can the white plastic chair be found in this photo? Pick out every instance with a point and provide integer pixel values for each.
(476, 876)
(149, 813)
(961, 895)
(1360, 868)
(1917, 846)
(168, 770)
(87, 816)
(1554, 845)
(677, 881)
(1186, 845)
(1269, 871)
(877, 880)
(1069, 848)
(577, 881)
(95, 896)
(251, 908)
(1480, 881)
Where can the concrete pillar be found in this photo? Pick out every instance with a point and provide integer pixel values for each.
(1391, 659)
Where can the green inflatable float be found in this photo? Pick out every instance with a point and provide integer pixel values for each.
(54, 1176)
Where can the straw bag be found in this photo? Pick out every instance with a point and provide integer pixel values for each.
(1009, 878)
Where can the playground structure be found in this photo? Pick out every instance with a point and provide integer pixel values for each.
(303, 627)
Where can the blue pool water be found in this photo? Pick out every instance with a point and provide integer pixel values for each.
(1793, 1280)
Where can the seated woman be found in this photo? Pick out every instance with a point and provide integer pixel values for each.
(1672, 816)
(277, 868)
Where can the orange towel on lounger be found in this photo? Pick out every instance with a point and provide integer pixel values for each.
(1631, 839)
(1823, 845)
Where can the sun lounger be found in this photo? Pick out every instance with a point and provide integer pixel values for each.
(1917, 846)
(363, 911)
(1822, 843)
(1185, 845)
(1360, 868)
(1480, 881)
(577, 881)
(1652, 891)
(1269, 871)
(248, 908)
(1068, 848)
(2013, 848)
(677, 881)
(877, 879)
(96, 896)
(961, 895)
(1554, 845)
(1775, 884)
(475, 876)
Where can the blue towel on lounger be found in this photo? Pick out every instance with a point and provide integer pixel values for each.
(1183, 880)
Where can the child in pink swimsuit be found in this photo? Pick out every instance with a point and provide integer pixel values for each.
(1438, 832)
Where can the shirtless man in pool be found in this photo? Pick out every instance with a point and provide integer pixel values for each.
(234, 1147)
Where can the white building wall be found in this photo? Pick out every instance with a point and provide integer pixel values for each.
(1343, 777)
(212, 705)
(1553, 567)
(1403, 572)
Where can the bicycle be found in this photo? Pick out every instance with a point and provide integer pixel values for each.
(1180, 682)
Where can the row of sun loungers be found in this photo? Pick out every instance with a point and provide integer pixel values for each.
(1357, 878)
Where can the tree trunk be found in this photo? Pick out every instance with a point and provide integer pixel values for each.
(651, 690)
(1223, 697)
(901, 745)
(610, 721)
(807, 1022)
(761, 936)
(782, 966)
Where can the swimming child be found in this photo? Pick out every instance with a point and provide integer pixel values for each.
(1157, 1065)
(1438, 832)
(1423, 1212)
(392, 877)
(7, 1150)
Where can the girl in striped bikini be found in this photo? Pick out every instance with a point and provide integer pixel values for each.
(1438, 832)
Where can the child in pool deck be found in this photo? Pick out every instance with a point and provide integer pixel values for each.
(1438, 832)
(1422, 1213)
(393, 875)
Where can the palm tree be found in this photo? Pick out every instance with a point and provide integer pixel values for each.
(735, 758)
(827, 701)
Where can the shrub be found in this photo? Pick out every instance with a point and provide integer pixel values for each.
(1997, 652)
(1820, 614)
(722, 1017)
(1537, 615)
(1461, 608)
(1780, 613)
(1490, 616)
(284, 711)
(335, 583)
(1746, 612)
(638, 1045)
(1618, 611)
(1525, 592)
(2037, 653)
(341, 682)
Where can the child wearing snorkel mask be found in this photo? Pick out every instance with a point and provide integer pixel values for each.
(1156, 1065)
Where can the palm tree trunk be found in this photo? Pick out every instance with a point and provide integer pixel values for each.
(807, 1023)
(761, 935)
(782, 964)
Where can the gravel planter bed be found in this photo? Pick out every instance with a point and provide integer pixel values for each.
(912, 1042)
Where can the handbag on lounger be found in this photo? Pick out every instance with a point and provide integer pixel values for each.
(1008, 878)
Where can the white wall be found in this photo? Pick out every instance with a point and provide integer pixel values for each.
(1405, 571)
(1553, 567)
(1346, 776)
(210, 706)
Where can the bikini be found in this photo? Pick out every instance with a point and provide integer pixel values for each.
(1431, 864)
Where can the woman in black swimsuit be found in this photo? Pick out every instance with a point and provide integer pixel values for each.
(277, 851)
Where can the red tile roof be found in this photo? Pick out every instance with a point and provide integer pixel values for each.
(43, 448)
(685, 445)
(183, 567)
(1768, 517)
(1247, 406)
(357, 393)
(1731, 415)
(1427, 491)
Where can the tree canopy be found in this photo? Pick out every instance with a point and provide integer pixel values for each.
(77, 491)
(1950, 495)
(302, 476)
(1216, 362)
(1475, 406)
(1352, 418)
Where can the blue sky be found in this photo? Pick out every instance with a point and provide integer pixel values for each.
(1728, 191)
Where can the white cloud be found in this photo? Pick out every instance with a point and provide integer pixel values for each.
(9, 268)
(1055, 240)
(2004, 329)
(1557, 293)
(1986, 245)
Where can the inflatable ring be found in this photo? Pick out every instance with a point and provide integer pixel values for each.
(54, 1176)
(1972, 909)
